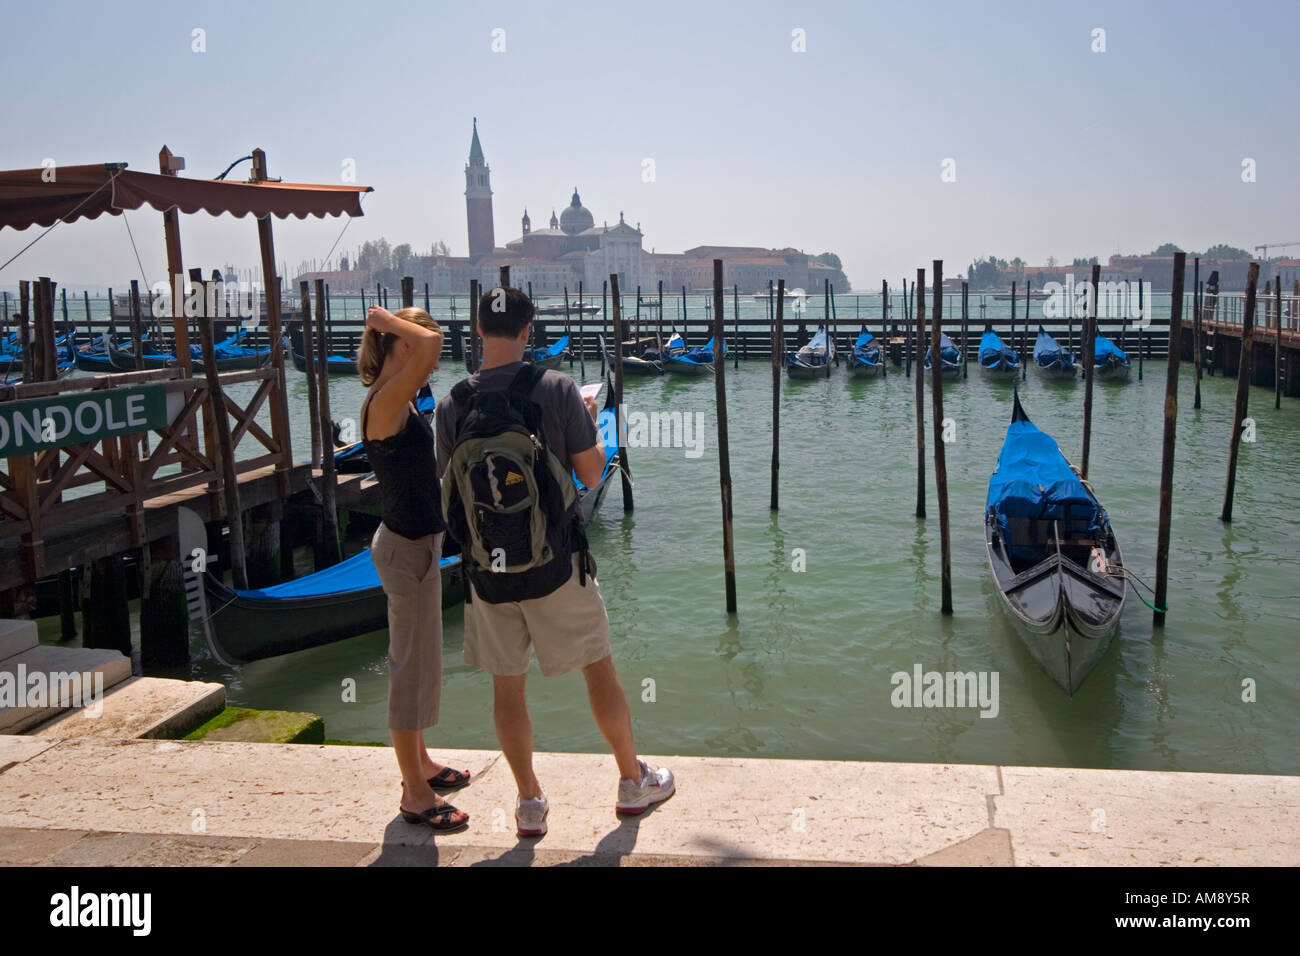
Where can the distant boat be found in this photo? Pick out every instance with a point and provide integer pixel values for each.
(231, 355)
(1109, 361)
(649, 362)
(814, 359)
(335, 364)
(548, 356)
(688, 361)
(949, 358)
(792, 296)
(865, 360)
(996, 360)
(1053, 554)
(574, 309)
(1050, 359)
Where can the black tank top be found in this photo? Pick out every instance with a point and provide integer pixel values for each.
(405, 466)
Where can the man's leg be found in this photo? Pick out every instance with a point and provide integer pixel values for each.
(613, 719)
(515, 731)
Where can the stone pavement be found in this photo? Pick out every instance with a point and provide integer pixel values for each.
(96, 802)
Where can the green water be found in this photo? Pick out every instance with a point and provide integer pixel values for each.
(804, 669)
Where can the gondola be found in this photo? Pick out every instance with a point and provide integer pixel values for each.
(865, 360)
(649, 362)
(1053, 554)
(548, 356)
(813, 360)
(11, 363)
(332, 605)
(996, 360)
(1050, 359)
(231, 355)
(1109, 361)
(681, 360)
(949, 358)
(335, 364)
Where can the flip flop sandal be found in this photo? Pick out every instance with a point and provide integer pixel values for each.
(449, 779)
(439, 818)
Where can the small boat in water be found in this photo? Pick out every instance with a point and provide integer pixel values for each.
(1109, 361)
(232, 355)
(813, 360)
(1053, 554)
(548, 356)
(335, 364)
(949, 358)
(996, 360)
(681, 360)
(1050, 359)
(649, 362)
(573, 309)
(865, 360)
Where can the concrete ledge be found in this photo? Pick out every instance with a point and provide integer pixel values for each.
(261, 727)
(16, 636)
(726, 811)
(70, 662)
(150, 707)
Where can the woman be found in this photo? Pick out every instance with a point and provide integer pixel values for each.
(397, 354)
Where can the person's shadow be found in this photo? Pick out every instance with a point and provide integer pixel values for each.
(407, 845)
(613, 846)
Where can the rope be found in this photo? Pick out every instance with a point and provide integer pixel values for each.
(137, 252)
(1130, 577)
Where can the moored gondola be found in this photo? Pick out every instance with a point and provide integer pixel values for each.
(949, 358)
(1109, 361)
(1050, 359)
(813, 360)
(865, 360)
(681, 360)
(1053, 554)
(648, 362)
(996, 360)
(335, 364)
(548, 356)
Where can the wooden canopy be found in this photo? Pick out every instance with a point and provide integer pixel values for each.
(47, 195)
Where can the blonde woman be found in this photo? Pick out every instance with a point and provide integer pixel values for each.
(397, 354)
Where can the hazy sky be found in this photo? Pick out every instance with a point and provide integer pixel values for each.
(1058, 150)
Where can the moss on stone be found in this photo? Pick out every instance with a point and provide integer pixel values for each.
(261, 726)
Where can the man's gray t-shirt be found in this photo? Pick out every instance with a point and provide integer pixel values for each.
(565, 420)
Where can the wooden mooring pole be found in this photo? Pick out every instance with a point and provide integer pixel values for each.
(778, 352)
(1197, 304)
(309, 357)
(965, 324)
(940, 463)
(1167, 453)
(408, 292)
(1243, 387)
(724, 456)
(1277, 343)
(329, 479)
(616, 356)
(918, 301)
(225, 451)
(471, 354)
(1089, 361)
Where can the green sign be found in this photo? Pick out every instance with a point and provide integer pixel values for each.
(79, 418)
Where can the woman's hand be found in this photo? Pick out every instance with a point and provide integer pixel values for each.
(380, 319)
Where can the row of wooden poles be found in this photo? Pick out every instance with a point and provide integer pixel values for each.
(940, 466)
(315, 348)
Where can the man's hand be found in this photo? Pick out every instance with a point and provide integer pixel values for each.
(590, 402)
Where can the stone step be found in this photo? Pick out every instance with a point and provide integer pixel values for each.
(80, 675)
(16, 636)
(152, 707)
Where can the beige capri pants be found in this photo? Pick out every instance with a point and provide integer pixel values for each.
(408, 570)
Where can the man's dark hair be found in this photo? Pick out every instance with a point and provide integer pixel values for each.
(503, 312)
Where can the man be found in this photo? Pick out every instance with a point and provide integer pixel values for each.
(567, 627)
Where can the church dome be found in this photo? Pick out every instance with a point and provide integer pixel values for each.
(576, 218)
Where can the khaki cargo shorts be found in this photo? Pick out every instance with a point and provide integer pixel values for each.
(568, 629)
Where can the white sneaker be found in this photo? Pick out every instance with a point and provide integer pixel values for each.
(634, 796)
(530, 815)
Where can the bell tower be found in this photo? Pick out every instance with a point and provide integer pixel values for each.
(478, 200)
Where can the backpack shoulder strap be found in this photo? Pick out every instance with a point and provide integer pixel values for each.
(526, 378)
